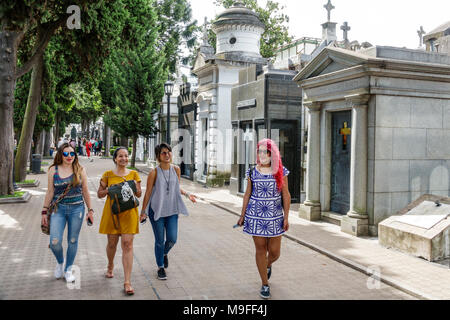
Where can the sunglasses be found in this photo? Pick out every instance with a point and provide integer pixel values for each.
(165, 153)
(263, 152)
(66, 154)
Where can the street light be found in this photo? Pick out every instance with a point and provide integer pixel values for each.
(168, 89)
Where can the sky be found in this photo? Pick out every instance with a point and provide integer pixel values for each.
(379, 22)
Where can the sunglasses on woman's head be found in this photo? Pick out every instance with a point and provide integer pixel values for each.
(66, 154)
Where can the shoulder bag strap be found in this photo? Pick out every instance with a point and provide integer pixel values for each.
(61, 197)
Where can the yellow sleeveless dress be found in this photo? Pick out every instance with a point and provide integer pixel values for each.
(129, 220)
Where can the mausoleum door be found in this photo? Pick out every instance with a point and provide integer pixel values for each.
(340, 161)
(289, 154)
(205, 146)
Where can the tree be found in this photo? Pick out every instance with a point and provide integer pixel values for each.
(134, 76)
(175, 26)
(36, 21)
(276, 29)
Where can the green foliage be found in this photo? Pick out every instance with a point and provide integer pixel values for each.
(87, 102)
(219, 179)
(134, 75)
(17, 194)
(174, 27)
(276, 24)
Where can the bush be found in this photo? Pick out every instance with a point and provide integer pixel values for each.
(219, 179)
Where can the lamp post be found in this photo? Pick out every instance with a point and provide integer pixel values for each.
(168, 89)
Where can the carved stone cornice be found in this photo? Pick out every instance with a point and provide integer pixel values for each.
(358, 99)
(312, 105)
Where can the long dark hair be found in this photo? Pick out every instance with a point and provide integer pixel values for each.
(58, 160)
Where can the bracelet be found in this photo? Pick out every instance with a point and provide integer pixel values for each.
(91, 210)
(45, 208)
(44, 212)
(187, 194)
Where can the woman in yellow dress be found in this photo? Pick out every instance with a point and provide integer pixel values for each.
(125, 224)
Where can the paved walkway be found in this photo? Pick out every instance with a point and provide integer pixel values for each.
(418, 277)
(211, 260)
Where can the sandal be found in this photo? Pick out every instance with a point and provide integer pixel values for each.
(128, 288)
(109, 273)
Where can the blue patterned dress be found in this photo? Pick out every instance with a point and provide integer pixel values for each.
(264, 214)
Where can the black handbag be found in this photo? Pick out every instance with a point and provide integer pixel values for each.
(122, 198)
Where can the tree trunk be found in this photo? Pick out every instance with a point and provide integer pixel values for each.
(124, 142)
(107, 140)
(56, 131)
(9, 41)
(88, 133)
(40, 143)
(133, 156)
(34, 99)
(46, 151)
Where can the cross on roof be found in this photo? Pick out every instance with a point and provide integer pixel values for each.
(205, 32)
(346, 28)
(329, 7)
(421, 32)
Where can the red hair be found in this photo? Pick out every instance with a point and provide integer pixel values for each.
(277, 165)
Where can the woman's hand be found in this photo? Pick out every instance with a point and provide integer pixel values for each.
(286, 224)
(192, 197)
(142, 217)
(241, 220)
(90, 215)
(44, 220)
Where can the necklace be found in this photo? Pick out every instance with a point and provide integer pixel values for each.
(167, 180)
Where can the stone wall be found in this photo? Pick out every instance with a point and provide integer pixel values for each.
(411, 155)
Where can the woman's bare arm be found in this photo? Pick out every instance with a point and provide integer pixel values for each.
(286, 197)
(148, 191)
(85, 188)
(50, 188)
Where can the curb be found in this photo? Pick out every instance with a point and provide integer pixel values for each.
(25, 198)
(29, 185)
(354, 265)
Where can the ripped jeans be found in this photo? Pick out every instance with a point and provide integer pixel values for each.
(170, 226)
(73, 215)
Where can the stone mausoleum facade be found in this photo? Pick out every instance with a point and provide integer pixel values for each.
(378, 124)
(238, 31)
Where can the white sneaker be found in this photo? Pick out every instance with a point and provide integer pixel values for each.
(59, 271)
(69, 276)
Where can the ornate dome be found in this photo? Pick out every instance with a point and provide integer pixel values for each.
(238, 14)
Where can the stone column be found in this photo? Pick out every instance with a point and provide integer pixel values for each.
(356, 222)
(310, 209)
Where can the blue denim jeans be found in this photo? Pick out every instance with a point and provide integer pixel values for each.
(170, 226)
(72, 215)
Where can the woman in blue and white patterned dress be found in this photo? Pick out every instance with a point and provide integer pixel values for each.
(265, 199)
